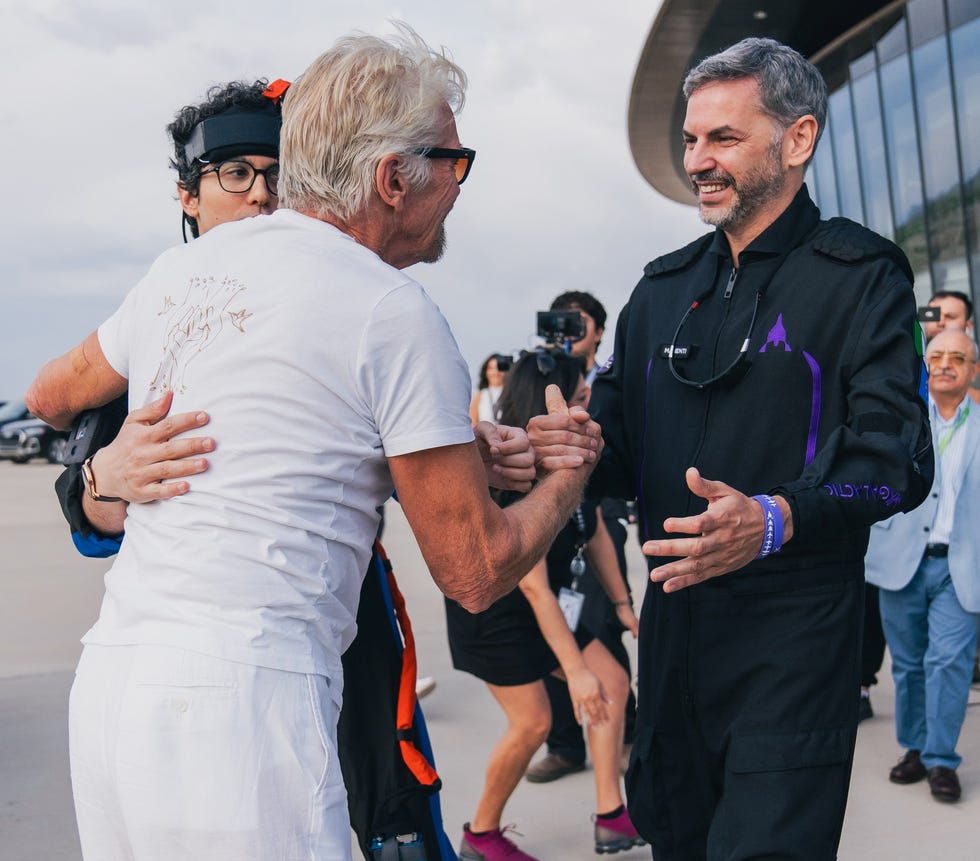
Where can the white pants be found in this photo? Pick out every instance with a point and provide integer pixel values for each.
(176, 755)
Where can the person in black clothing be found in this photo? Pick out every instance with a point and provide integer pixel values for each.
(762, 406)
(524, 637)
(566, 744)
(872, 650)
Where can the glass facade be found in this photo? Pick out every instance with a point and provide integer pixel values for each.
(901, 151)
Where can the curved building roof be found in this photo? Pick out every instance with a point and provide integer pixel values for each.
(686, 31)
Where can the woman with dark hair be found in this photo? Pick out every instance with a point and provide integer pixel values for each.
(483, 407)
(534, 631)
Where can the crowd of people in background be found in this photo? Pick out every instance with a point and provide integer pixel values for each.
(762, 404)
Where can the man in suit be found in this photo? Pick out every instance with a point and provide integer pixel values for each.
(927, 565)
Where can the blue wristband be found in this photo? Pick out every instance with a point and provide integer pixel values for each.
(772, 536)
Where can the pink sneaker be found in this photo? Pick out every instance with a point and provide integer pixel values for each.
(616, 835)
(491, 846)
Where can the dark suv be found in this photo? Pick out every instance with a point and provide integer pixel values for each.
(22, 436)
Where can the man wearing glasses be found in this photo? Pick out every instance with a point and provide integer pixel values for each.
(927, 566)
(762, 407)
(212, 679)
(226, 154)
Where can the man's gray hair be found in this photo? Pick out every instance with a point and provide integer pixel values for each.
(363, 99)
(790, 86)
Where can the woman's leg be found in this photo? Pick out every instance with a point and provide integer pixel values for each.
(528, 720)
(606, 741)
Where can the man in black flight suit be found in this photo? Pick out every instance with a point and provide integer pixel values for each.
(762, 407)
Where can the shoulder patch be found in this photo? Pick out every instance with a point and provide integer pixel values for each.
(681, 259)
(847, 241)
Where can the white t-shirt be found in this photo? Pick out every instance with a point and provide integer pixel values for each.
(316, 362)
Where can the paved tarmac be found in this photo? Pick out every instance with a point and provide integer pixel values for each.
(50, 595)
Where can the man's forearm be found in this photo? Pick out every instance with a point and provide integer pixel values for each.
(476, 552)
(522, 535)
(78, 380)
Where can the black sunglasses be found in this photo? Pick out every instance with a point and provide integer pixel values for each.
(463, 159)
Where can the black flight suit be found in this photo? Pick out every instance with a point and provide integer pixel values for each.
(748, 682)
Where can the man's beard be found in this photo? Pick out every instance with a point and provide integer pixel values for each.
(757, 188)
(436, 248)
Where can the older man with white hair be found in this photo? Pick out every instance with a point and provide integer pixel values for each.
(203, 715)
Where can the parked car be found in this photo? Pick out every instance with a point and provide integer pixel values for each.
(22, 436)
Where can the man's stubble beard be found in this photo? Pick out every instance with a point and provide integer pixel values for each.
(758, 187)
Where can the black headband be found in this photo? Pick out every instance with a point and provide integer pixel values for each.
(236, 132)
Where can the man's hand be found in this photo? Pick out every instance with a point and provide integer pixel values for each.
(726, 537)
(135, 465)
(564, 438)
(507, 456)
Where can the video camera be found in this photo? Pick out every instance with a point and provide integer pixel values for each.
(504, 361)
(561, 328)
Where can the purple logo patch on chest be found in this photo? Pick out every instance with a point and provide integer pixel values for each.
(777, 337)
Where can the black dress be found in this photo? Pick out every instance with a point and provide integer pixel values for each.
(503, 645)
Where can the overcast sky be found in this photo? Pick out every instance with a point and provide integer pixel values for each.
(554, 201)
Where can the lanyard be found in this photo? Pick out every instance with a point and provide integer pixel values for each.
(947, 437)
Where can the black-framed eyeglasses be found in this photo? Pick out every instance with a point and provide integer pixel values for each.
(733, 373)
(463, 159)
(237, 177)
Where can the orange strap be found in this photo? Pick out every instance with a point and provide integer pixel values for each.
(414, 759)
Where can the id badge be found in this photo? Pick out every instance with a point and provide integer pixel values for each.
(571, 603)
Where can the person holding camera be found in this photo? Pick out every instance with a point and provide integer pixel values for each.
(593, 325)
(565, 754)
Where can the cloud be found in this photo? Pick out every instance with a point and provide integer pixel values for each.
(554, 201)
(103, 27)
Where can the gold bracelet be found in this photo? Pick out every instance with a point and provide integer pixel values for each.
(88, 477)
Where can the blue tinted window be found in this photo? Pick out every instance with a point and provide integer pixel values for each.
(845, 154)
(824, 188)
(874, 162)
(894, 43)
(904, 169)
(926, 19)
(961, 11)
(940, 166)
(966, 67)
